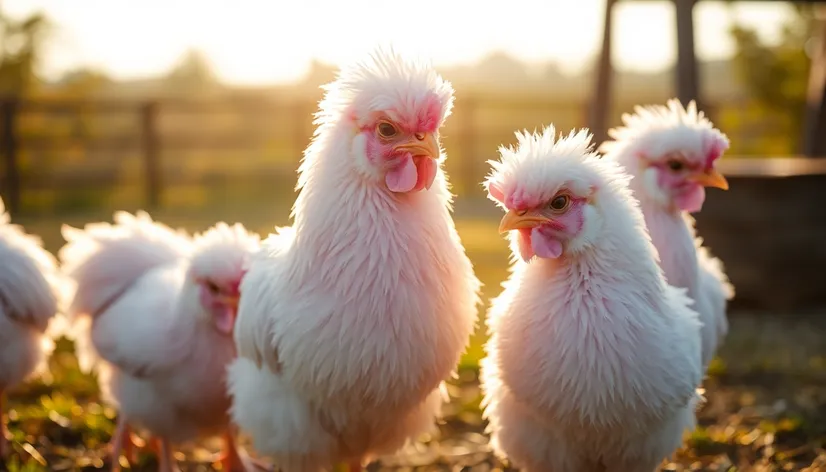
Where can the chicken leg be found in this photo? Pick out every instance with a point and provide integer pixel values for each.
(166, 460)
(233, 460)
(122, 443)
(230, 459)
(5, 446)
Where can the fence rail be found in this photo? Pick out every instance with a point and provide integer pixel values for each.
(155, 133)
(768, 229)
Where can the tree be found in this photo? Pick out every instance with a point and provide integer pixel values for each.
(776, 76)
(192, 74)
(20, 46)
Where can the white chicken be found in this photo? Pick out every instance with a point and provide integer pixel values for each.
(158, 310)
(31, 293)
(593, 358)
(671, 152)
(350, 320)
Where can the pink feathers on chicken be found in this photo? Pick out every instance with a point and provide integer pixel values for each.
(593, 359)
(351, 319)
(155, 311)
(671, 153)
(31, 294)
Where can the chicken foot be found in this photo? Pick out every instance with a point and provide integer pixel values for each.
(234, 460)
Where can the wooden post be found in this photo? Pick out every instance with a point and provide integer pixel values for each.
(10, 148)
(814, 128)
(686, 70)
(601, 104)
(151, 150)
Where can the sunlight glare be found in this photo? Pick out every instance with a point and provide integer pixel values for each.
(253, 42)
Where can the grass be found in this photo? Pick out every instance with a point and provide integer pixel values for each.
(766, 393)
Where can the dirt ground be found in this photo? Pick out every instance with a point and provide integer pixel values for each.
(765, 411)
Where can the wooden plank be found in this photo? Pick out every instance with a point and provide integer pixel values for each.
(687, 79)
(771, 167)
(601, 102)
(814, 126)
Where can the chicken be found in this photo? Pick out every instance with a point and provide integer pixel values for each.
(671, 151)
(158, 308)
(31, 294)
(591, 364)
(351, 319)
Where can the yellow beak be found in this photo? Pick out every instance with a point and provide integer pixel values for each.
(427, 146)
(520, 219)
(230, 300)
(711, 178)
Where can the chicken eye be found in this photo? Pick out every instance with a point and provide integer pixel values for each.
(212, 287)
(675, 165)
(386, 130)
(560, 203)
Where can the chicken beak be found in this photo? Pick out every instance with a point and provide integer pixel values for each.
(230, 300)
(711, 178)
(427, 146)
(520, 219)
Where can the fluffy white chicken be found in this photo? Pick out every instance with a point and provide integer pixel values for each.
(156, 310)
(591, 362)
(31, 292)
(350, 320)
(670, 152)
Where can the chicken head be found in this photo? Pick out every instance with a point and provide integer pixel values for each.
(676, 150)
(217, 268)
(547, 215)
(394, 110)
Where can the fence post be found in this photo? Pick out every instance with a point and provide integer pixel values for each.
(10, 148)
(601, 104)
(687, 76)
(814, 126)
(151, 153)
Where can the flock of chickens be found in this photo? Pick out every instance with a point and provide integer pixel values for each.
(328, 343)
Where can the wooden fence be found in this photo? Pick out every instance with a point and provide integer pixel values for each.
(769, 228)
(150, 138)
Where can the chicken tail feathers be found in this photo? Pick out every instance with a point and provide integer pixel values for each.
(104, 260)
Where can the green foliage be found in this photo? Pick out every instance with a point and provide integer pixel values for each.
(776, 77)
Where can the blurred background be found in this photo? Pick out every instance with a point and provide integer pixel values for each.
(199, 111)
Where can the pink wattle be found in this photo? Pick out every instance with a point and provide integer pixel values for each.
(545, 246)
(412, 174)
(403, 177)
(427, 172)
(224, 319)
(524, 244)
(692, 200)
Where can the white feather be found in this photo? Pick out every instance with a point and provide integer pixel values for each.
(141, 322)
(593, 358)
(32, 293)
(661, 130)
(350, 320)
